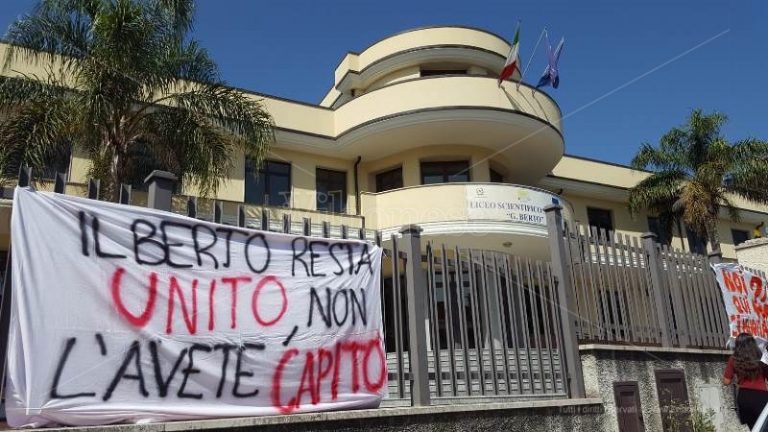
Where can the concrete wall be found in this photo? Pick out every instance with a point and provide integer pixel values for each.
(754, 254)
(410, 72)
(703, 374)
(582, 415)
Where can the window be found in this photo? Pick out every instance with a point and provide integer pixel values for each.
(331, 190)
(654, 226)
(496, 176)
(269, 184)
(739, 236)
(444, 172)
(58, 164)
(696, 242)
(600, 219)
(436, 72)
(388, 180)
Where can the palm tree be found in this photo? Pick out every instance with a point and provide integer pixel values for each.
(696, 172)
(122, 81)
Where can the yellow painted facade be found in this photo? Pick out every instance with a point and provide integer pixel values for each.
(391, 109)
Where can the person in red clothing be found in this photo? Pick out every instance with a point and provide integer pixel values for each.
(750, 376)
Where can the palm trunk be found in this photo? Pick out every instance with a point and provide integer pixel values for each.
(116, 172)
(713, 234)
(680, 234)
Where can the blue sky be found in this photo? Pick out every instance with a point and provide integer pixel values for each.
(630, 70)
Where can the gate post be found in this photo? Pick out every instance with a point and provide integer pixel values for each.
(660, 292)
(715, 257)
(417, 307)
(566, 303)
(160, 189)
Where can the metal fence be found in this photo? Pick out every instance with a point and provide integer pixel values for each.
(493, 325)
(614, 293)
(635, 291)
(695, 311)
(465, 324)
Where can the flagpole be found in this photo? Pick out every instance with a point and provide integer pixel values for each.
(530, 59)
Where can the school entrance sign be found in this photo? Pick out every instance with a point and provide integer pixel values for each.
(127, 314)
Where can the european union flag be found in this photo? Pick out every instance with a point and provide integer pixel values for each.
(551, 75)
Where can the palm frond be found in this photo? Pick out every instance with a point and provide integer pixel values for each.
(733, 211)
(656, 191)
(662, 158)
(703, 130)
(231, 111)
(178, 15)
(36, 135)
(747, 174)
(750, 149)
(54, 32)
(17, 90)
(191, 146)
(124, 82)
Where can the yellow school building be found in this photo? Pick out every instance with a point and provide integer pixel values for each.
(416, 130)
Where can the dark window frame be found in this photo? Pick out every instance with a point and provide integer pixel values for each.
(446, 173)
(391, 171)
(442, 72)
(743, 236)
(53, 167)
(263, 179)
(494, 173)
(609, 228)
(341, 208)
(696, 243)
(661, 237)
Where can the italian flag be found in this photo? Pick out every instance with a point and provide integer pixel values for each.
(513, 60)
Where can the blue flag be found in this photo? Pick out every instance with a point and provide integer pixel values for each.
(551, 75)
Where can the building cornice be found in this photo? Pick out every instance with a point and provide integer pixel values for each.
(615, 164)
(616, 193)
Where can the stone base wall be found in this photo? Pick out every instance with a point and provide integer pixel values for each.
(578, 415)
(603, 366)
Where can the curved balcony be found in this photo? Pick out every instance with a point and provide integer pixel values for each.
(410, 40)
(520, 125)
(503, 217)
(444, 44)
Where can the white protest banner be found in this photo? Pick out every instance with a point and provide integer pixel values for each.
(745, 295)
(128, 314)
